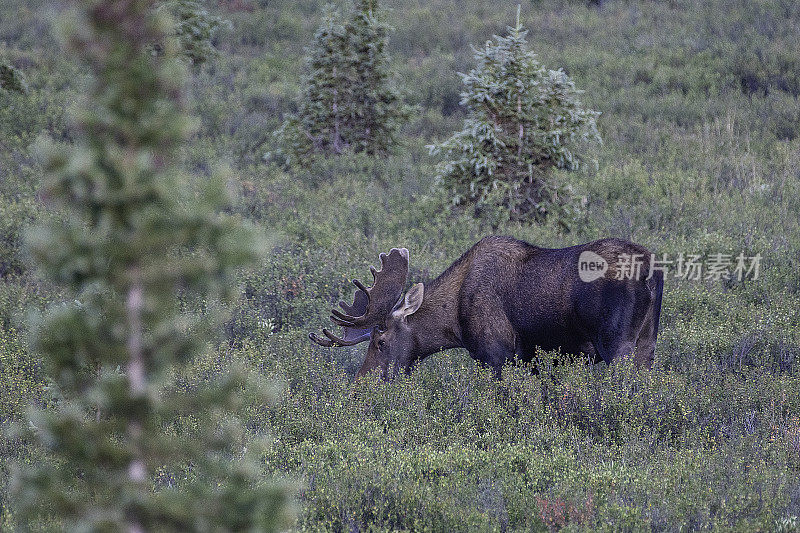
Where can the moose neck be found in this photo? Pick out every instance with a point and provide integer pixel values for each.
(435, 325)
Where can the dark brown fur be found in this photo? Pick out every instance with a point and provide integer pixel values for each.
(504, 298)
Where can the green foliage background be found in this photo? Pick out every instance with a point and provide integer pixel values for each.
(701, 153)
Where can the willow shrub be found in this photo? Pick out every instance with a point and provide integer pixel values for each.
(588, 447)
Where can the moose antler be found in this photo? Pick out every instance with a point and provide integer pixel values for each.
(371, 305)
(333, 340)
(350, 336)
(386, 289)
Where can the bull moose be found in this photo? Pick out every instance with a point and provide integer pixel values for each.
(502, 299)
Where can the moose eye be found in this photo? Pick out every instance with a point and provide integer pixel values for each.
(381, 344)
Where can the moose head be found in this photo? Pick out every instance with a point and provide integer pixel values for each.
(379, 314)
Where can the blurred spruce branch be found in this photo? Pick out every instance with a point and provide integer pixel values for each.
(131, 240)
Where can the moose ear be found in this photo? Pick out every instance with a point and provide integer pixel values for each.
(412, 301)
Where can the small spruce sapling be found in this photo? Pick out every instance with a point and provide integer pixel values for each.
(348, 102)
(522, 121)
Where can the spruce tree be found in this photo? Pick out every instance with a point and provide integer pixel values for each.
(11, 79)
(195, 29)
(375, 111)
(319, 127)
(522, 121)
(347, 101)
(128, 241)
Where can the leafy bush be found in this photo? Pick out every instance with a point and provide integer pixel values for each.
(15, 214)
(448, 448)
(23, 382)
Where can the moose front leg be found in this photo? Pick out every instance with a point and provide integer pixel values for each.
(493, 343)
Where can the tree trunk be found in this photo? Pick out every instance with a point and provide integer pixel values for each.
(137, 383)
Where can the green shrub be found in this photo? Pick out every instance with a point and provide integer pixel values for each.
(12, 80)
(449, 448)
(23, 383)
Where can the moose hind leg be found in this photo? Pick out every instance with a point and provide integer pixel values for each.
(619, 335)
(646, 342)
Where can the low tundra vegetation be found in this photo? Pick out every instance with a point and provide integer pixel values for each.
(700, 152)
(448, 448)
